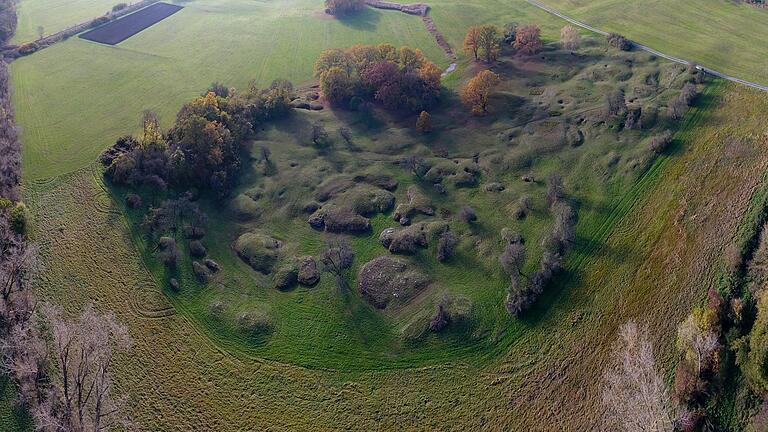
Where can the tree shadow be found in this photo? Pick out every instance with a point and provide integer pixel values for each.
(365, 20)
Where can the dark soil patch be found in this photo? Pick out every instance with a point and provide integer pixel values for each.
(120, 30)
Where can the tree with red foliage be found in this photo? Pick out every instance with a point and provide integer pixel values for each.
(528, 39)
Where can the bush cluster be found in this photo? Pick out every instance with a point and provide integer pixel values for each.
(555, 245)
(620, 42)
(399, 79)
(203, 148)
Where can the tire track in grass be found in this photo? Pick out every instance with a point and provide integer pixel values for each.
(645, 182)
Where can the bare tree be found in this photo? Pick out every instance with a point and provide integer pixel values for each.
(80, 396)
(634, 394)
(337, 258)
(555, 188)
(513, 258)
(570, 38)
(699, 345)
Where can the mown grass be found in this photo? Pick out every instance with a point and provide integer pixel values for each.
(724, 35)
(55, 15)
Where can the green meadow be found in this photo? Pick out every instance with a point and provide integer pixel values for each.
(727, 36)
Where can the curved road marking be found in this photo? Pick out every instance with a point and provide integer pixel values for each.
(648, 49)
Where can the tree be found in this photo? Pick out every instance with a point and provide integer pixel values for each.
(416, 165)
(343, 7)
(472, 42)
(333, 58)
(337, 86)
(337, 258)
(513, 258)
(660, 142)
(634, 394)
(320, 137)
(476, 93)
(697, 343)
(615, 104)
(40, 32)
(80, 396)
(528, 39)
(618, 41)
(424, 122)
(555, 188)
(446, 246)
(570, 38)
(467, 214)
(510, 31)
(489, 40)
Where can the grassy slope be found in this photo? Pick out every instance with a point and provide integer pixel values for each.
(724, 35)
(55, 15)
(61, 89)
(652, 259)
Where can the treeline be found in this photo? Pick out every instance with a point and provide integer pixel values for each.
(523, 294)
(398, 79)
(203, 148)
(7, 20)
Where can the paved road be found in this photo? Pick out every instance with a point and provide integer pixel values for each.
(648, 49)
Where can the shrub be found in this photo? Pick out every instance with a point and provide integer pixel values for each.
(255, 323)
(513, 258)
(19, 219)
(100, 21)
(620, 42)
(196, 249)
(28, 48)
(467, 214)
(570, 38)
(168, 252)
(118, 7)
(133, 201)
(424, 122)
(446, 246)
(660, 142)
(523, 207)
(555, 188)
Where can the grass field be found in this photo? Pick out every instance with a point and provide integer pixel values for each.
(649, 241)
(647, 259)
(55, 15)
(726, 36)
(317, 327)
(77, 83)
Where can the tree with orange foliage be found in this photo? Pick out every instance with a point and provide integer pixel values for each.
(472, 41)
(424, 122)
(476, 93)
(528, 39)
